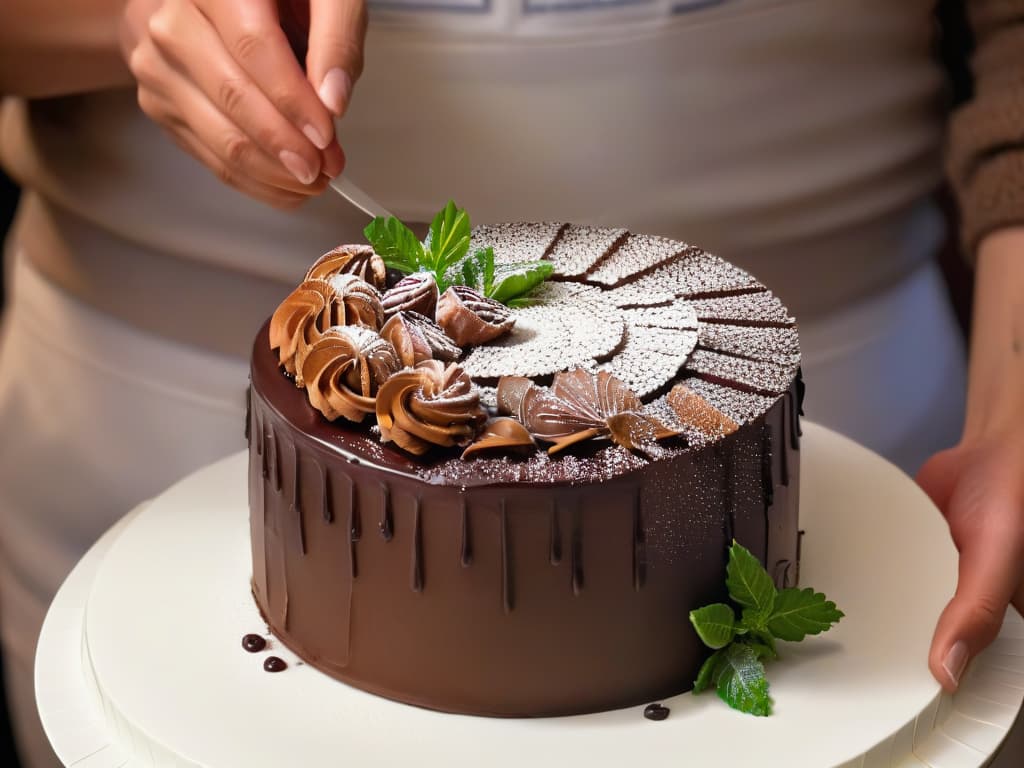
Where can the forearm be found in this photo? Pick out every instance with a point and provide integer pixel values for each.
(59, 47)
(996, 378)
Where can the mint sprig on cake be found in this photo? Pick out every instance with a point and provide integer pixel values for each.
(741, 644)
(445, 254)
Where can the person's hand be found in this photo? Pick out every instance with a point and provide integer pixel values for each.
(979, 484)
(221, 78)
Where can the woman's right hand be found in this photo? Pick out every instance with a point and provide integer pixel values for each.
(221, 78)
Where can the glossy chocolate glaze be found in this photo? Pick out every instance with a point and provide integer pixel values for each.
(493, 590)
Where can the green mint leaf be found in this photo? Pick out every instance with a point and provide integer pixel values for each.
(523, 301)
(764, 639)
(485, 258)
(517, 280)
(753, 620)
(741, 681)
(707, 676)
(749, 583)
(448, 239)
(801, 612)
(470, 273)
(763, 651)
(715, 624)
(395, 243)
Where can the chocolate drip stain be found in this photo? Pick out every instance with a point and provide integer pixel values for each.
(506, 563)
(274, 664)
(466, 541)
(639, 545)
(417, 547)
(355, 520)
(555, 555)
(576, 551)
(296, 504)
(326, 502)
(254, 643)
(353, 537)
(788, 414)
(275, 461)
(248, 414)
(386, 524)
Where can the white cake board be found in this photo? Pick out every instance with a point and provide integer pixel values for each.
(140, 662)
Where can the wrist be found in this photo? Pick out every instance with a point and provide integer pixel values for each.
(996, 377)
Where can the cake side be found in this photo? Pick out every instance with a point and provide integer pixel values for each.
(505, 599)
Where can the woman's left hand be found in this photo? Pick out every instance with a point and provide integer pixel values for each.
(979, 484)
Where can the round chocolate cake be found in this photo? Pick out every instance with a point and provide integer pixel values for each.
(499, 487)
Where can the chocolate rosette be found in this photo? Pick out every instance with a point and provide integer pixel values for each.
(315, 306)
(344, 370)
(359, 260)
(429, 405)
(413, 293)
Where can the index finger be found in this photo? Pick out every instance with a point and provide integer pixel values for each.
(251, 31)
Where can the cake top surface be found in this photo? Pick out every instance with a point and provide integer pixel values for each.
(526, 352)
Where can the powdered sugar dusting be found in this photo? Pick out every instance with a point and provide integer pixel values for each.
(694, 273)
(637, 255)
(650, 358)
(761, 308)
(780, 345)
(754, 375)
(580, 247)
(516, 241)
(568, 327)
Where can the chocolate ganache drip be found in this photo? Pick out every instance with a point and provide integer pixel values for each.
(431, 404)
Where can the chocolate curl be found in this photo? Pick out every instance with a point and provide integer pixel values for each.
(417, 338)
(694, 410)
(359, 260)
(413, 293)
(501, 434)
(470, 318)
(580, 406)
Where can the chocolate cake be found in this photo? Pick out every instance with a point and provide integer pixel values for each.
(511, 510)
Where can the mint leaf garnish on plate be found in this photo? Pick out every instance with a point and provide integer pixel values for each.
(749, 585)
(801, 612)
(735, 669)
(741, 681)
(445, 254)
(715, 624)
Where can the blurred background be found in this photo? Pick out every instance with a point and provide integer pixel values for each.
(953, 48)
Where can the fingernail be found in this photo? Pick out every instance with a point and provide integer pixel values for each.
(297, 166)
(955, 661)
(319, 140)
(335, 89)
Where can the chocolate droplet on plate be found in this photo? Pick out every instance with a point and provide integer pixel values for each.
(656, 711)
(254, 643)
(274, 664)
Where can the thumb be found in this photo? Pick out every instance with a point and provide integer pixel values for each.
(337, 29)
(988, 576)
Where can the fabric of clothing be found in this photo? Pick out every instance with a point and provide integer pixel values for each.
(986, 146)
(798, 138)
